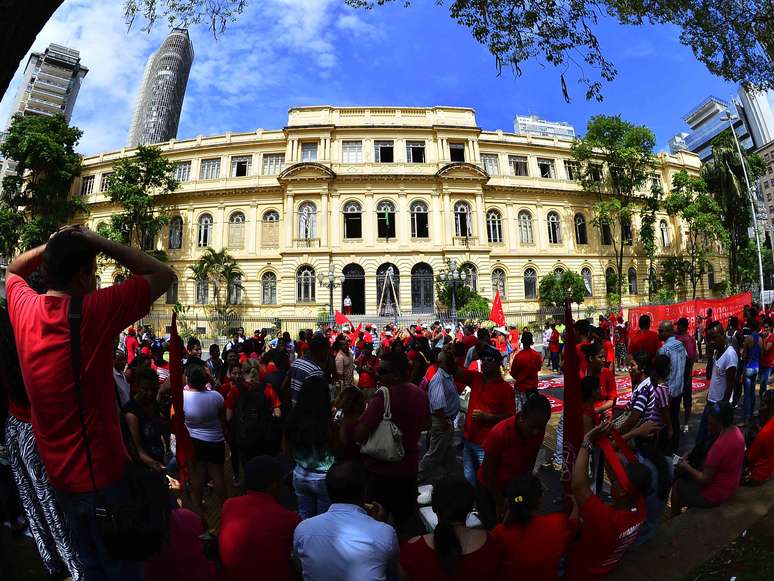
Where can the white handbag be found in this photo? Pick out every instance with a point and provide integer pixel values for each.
(386, 442)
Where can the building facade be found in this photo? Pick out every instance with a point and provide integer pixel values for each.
(157, 112)
(534, 125)
(385, 198)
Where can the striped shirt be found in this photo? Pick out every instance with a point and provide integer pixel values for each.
(661, 400)
(443, 394)
(644, 399)
(301, 370)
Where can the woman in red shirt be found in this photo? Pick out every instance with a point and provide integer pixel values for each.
(532, 544)
(452, 550)
(595, 358)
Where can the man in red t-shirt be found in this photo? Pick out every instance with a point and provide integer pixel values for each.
(644, 339)
(42, 331)
(526, 366)
(608, 531)
(510, 451)
(256, 532)
(760, 455)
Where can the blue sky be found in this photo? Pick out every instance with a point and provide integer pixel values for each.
(284, 53)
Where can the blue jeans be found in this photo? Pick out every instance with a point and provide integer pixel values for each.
(472, 458)
(765, 373)
(79, 512)
(555, 361)
(748, 407)
(311, 492)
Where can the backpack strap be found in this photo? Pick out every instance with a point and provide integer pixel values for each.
(387, 415)
(74, 319)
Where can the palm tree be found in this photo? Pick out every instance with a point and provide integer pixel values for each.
(220, 270)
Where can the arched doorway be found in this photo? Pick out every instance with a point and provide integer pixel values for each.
(422, 288)
(387, 289)
(354, 288)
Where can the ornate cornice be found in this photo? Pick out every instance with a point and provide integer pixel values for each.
(306, 171)
(461, 170)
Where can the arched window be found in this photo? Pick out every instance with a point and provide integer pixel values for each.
(554, 228)
(202, 291)
(607, 233)
(525, 227)
(710, 275)
(387, 289)
(353, 220)
(611, 280)
(494, 226)
(420, 227)
(205, 231)
(632, 275)
(385, 219)
(305, 285)
(498, 282)
(236, 230)
(269, 288)
(235, 291)
(422, 288)
(665, 241)
(98, 280)
(581, 235)
(270, 228)
(530, 284)
(175, 233)
(148, 240)
(307, 221)
(271, 216)
(463, 221)
(586, 276)
(171, 298)
(471, 280)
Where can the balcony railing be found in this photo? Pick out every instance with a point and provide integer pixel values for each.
(306, 242)
(465, 241)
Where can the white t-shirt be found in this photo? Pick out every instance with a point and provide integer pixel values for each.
(202, 414)
(717, 388)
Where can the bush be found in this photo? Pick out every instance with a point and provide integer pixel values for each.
(555, 290)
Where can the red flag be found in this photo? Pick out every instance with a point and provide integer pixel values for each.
(497, 315)
(341, 319)
(184, 446)
(573, 399)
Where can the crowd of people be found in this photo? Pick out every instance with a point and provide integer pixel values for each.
(357, 453)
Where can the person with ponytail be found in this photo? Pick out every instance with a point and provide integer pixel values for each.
(533, 544)
(452, 550)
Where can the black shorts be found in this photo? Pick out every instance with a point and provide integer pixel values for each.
(210, 452)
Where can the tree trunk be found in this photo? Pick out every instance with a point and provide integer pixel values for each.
(20, 23)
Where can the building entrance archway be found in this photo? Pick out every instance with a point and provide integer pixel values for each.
(354, 288)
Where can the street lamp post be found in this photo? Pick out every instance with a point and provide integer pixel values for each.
(453, 278)
(330, 281)
(727, 116)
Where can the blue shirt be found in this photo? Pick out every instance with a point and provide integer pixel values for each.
(443, 394)
(675, 350)
(345, 544)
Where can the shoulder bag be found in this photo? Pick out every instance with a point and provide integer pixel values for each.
(386, 442)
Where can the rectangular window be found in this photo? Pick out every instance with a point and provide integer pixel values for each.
(655, 182)
(547, 168)
(352, 152)
(209, 169)
(87, 185)
(595, 172)
(309, 152)
(491, 165)
(240, 165)
(272, 163)
(518, 165)
(384, 152)
(182, 171)
(104, 181)
(457, 152)
(573, 170)
(415, 151)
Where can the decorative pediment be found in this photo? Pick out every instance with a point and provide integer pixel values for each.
(306, 171)
(462, 171)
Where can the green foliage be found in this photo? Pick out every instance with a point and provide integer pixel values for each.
(222, 273)
(465, 298)
(46, 165)
(650, 206)
(673, 272)
(476, 304)
(555, 291)
(665, 296)
(614, 301)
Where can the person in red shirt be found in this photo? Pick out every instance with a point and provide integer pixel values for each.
(256, 532)
(533, 543)
(367, 365)
(595, 367)
(491, 400)
(644, 339)
(608, 531)
(42, 331)
(525, 368)
(132, 344)
(554, 348)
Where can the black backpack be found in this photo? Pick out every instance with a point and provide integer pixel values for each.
(257, 430)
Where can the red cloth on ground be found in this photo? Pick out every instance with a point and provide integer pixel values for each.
(515, 455)
(181, 556)
(761, 453)
(605, 536)
(256, 538)
(494, 397)
(43, 342)
(421, 563)
(532, 552)
(526, 365)
(644, 340)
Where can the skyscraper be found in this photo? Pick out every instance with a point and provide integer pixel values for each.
(534, 125)
(157, 112)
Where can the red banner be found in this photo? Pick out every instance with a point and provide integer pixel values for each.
(497, 315)
(722, 310)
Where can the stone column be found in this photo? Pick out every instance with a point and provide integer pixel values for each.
(324, 224)
(289, 222)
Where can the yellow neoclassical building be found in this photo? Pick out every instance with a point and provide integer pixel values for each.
(384, 197)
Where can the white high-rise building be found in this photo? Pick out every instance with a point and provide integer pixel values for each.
(534, 125)
(757, 111)
(157, 112)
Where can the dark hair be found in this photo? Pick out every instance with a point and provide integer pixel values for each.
(523, 498)
(682, 322)
(643, 361)
(399, 361)
(213, 347)
(350, 399)
(723, 412)
(67, 253)
(527, 339)
(346, 482)
(582, 327)
(644, 322)
(640, 477)
(146, 374)
(591, 350)
(483, 333)
(196, 377)
(659, 368)
(453, 499)
(537, 404)
(309, 426)
(193, 341)
(589, 385)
